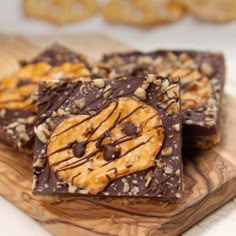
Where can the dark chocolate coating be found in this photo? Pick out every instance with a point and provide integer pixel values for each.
(162, 185)
(10, 136)
(56, 55)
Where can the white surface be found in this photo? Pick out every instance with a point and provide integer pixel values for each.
(185, 34)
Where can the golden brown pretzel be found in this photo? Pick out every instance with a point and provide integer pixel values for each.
(19, 90)
(143, 13)
(90, 151)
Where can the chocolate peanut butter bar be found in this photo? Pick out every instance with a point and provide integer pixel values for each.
(18, 92)
(202, 77)
(117, 138)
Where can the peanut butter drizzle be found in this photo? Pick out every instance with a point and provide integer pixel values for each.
(91, 171)
(19, 90)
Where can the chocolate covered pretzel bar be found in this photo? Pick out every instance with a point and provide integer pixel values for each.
(18, 92)
(116, 138)
(202, 77)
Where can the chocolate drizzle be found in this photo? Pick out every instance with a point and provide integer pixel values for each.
(111, 151)
(49, 104)
(135, 147)
(106, 133)
(88, 118)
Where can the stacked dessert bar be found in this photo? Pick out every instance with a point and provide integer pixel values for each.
(112, 128)
(19, 92)
(202, 76)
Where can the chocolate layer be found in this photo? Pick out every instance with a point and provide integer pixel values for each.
(68, 101)
(202, 77)
(56, 55)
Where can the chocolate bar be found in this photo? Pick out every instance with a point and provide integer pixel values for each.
(18, 92)
(202, 80)
(116, 138)
(56, 55)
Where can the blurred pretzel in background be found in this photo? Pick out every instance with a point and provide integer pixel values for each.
(142, 13)
(60, 11)
(218, 11)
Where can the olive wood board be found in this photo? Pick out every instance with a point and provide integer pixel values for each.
(209, 176)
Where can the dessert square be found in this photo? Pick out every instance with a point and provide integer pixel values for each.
(116, 138)
(19, 92)
(202, 77)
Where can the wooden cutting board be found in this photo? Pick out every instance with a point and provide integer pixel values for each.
(209, 176)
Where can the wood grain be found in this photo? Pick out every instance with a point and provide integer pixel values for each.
(209, 176)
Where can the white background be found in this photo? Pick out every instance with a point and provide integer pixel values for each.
(187, 34)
